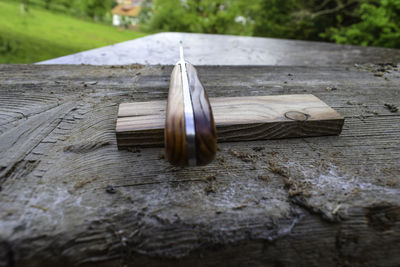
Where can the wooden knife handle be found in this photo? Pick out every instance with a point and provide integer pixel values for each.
(174, 133)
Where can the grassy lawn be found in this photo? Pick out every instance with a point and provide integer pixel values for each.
(40, 34)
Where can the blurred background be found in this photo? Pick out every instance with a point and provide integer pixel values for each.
(36, 30)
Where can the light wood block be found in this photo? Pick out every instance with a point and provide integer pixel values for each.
(141, 124)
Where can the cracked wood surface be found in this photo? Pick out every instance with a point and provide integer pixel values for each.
(68, 196)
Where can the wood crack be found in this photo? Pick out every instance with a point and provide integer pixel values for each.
(14, 152)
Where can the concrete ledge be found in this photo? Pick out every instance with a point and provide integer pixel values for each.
(209, 49)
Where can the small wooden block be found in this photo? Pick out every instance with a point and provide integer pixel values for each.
(141, 124)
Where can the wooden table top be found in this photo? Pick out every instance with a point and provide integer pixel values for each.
(69, 196)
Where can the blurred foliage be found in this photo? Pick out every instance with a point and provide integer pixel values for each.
(205, 16)
(98, 10)
(35, 34)
(363, 22)
(31, 31)
(378, 25)
(303, 19)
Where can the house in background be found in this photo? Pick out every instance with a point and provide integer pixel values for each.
(126, 12)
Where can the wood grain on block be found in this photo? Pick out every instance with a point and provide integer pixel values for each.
(206, 134)
(236, 118)
(174, 135)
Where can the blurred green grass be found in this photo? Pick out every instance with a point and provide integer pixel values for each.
(40, 34)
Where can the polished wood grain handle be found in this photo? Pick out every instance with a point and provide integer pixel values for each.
(179, 149)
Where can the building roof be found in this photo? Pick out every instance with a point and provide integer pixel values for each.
(126, 10)
(131, 2)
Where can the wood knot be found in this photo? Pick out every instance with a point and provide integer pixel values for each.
(296, 116)
(383, 217)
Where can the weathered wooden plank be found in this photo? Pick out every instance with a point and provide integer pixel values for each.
(141, 124)
(69, 196)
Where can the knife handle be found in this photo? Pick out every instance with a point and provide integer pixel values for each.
(174, 134)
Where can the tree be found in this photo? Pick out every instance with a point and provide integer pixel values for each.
(208, 16)
(365, 22)
(94, 9)
(379, 25)
(303, 19)
(47, 4)
(24, 6)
